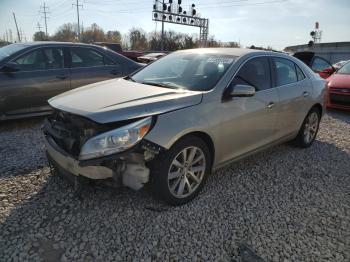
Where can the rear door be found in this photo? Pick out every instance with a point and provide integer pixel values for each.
(90, 66)
(294, 90)
(41, 75)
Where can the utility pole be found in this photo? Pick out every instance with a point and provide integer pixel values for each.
(162, 42)
(7, 36)
(11, 38)
(39, 28)
(44, 10)
(19, 37)
(78, 5)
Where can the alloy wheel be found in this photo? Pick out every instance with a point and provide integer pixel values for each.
(311, 126)
(186, 172)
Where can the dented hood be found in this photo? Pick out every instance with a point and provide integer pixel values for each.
(119, 99)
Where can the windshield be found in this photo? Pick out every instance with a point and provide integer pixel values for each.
(345, 69)
(10, 49)
(191, 71)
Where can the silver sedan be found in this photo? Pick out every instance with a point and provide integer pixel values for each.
(176, 120)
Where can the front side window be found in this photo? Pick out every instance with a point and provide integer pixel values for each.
(41, 59)
(86, 57)
(11, 49)
(185, 70)
(256, 73)
(285, 71)
(319, 64)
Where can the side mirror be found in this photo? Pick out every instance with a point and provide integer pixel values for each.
(241, 91)
(10, 67)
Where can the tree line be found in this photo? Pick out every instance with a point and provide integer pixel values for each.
(135, 39)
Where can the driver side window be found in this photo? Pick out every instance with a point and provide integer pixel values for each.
(256, 73)
(32, 61)
(41, 59)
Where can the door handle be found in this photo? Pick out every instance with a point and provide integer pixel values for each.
(62, 77)
(305, 94)
(270, 105)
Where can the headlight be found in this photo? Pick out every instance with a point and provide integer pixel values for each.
(115, 141)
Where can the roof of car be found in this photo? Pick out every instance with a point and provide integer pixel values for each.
(224, 51)
(52, 43)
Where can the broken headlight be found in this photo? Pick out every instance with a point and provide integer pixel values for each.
(115, 141)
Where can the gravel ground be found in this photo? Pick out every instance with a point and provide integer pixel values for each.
(284, 204)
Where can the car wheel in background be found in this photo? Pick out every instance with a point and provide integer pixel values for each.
(180, 173)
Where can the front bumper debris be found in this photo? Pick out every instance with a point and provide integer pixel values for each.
(128, 169)
(66, 133)
(72, 166)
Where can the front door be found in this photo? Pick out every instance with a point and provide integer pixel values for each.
(249, 122)
(41, 75)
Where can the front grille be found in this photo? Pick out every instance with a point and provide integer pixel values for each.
(340, 90)
(343, 100)
(69, 131)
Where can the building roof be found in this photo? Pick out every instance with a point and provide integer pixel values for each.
(319, 45)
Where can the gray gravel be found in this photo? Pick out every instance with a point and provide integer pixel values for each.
(284, 204)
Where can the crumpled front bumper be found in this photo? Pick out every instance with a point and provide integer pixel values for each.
(71, 165)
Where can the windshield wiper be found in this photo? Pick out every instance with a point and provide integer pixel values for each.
(129, 78)
(155, 84)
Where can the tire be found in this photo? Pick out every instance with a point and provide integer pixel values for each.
(309, 129)
(174, 180)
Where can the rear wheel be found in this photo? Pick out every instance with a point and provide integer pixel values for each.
(309, 129)
(180, 173)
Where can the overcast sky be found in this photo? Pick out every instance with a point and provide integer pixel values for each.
(278, 23)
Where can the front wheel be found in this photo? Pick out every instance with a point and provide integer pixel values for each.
(180, 173)
(309, 129)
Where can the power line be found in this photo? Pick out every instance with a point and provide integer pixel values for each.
(44, 10)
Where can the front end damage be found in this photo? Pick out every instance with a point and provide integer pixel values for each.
(65, 135)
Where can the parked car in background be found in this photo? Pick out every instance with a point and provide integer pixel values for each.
(177, 119)
(338, 95)
(151, 57)
(116, 47)
(318, 64)
(31, 73)
(340, 64)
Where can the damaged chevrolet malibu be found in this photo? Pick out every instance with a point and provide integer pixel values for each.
(175, 121)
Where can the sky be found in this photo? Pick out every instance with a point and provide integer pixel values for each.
(276, 23)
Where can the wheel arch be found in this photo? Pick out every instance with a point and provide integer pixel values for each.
(206, 139)
(319, 107)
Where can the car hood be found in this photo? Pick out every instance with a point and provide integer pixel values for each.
(119, 99)
(339, 80)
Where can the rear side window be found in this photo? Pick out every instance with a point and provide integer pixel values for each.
(256, 73)
(285, 72)
(300, 73)
(86, 57)
(320, 64)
